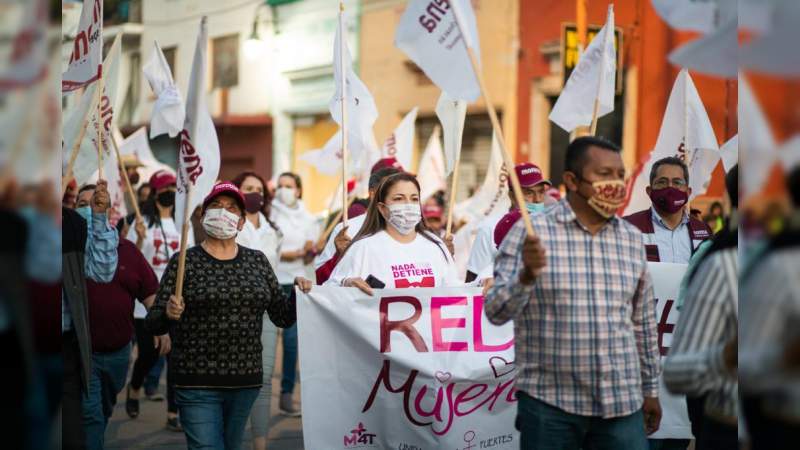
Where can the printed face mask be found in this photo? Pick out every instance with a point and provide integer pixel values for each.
(404, 217)
(253, 202)
(286, 196)
(669, 199)
(534, 207)
(221, 224)
(609, 196)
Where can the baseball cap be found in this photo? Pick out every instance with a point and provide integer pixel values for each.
(432, 211)
(161, 179)
(386, 162)
(227, 188)
(529, 175)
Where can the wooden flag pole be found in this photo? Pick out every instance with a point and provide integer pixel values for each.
(77, 145)
(500, 139)
(184, 238)
(129, 187)
(344, 112)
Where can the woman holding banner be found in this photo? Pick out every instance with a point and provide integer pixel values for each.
(260, 233)
(216, 324)
(395, 248)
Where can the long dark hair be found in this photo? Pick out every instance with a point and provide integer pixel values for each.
(375, 222)
(239, 180)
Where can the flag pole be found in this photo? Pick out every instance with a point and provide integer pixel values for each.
(128, 185)
(453, 188)
(77, 145)
(344, 113)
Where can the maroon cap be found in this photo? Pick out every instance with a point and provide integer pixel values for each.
(504, 226)
(228, 188)
(161, 179)
(432, 211)
(386, 163)
(529, 175)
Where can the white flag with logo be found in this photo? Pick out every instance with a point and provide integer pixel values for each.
(86, 59)
(729, 152)
(139, 145)
(431, 174)
(429, 34)
(452, 114)
(86, 162)
(594, 78)
(23, 56)
(686, 132)
(759, 149)
(361, 109)
(492, 197)
(692, 15)
(198, 158)
(169, 112)
(400, 144)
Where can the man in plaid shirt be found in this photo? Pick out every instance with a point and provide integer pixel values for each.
(585, 316)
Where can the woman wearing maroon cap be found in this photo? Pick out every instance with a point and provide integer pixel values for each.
(216, 324)
(158, 239)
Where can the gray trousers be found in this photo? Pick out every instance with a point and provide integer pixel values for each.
(259, 415)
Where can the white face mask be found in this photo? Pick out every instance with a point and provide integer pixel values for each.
(220, 223)
(404, 217)
(286, 195)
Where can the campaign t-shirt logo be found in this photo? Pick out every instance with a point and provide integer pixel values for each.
(413, 275)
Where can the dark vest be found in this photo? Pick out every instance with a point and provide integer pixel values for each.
(643, 220)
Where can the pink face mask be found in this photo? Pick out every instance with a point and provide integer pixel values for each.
(669, 199)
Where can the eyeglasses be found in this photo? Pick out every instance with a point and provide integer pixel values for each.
(662, 183)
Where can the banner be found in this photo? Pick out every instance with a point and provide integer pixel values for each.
(666, 284)
(405, 369)
(452, 114)
(400, 144)
(168, 112)
(594, 79)
(199, 160)
(429, 35)
(86, 60)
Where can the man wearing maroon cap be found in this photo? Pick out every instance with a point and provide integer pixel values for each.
(534, 186)
(326, 260)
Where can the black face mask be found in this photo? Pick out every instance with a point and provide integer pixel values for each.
(166, 199)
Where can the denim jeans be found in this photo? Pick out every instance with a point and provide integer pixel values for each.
(214, 419)
(545, 427)
(289, 368)
(109, 373)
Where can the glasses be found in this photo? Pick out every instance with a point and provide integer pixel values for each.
(662, 183)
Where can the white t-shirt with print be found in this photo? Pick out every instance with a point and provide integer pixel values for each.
(158, 248)
(420, 263)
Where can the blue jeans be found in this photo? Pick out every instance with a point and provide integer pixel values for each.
(109, 373)
(289, 369)
(214, 419)
(545, 427)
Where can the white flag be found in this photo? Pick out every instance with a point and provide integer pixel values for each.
(168, 112)
(400, 144)
(429, 34)
(716, 53)
(492, 197)
(431, 174)
(199, 160)
(692, 15)
(86, 162)
(685, 132)
(361, 109)
(595, 77)
(729, 152)
(139, 145)
(86, 60)
(328, 159)
(757, 142)
(451, 114)
(23, 57)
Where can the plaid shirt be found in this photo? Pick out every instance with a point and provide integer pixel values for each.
(586, 339)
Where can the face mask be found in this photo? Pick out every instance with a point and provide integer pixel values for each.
(253, 202)
(608, 197)
(404, 217)
(286, 196)
(534, 207)
(220, 224)
(669, 199)
(166, 199)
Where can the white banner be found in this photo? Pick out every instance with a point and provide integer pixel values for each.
(405, 369)
(429, 35)
(666, 284)
(86, 59)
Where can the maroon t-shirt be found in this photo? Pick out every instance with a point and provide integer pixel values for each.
(111, 304)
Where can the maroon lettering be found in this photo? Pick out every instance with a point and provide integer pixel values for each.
(405, 326)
